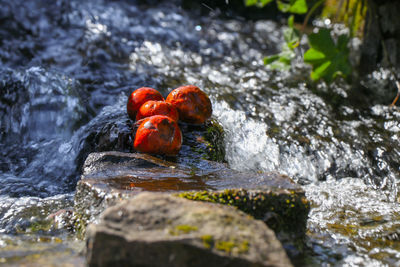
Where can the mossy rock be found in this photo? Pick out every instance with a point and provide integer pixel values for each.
(147, 229)
(284, 211)
(203, 141)
(214, 137)
(90, 203)
(109, 177)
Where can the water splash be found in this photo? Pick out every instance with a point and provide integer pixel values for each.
(40, 110)
(349, 214)
(247, 145)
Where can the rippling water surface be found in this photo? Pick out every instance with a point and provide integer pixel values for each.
(68, 66)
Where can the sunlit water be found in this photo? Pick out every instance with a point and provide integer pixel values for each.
(67, 66)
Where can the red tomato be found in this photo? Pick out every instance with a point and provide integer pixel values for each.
(139, 97)
(152, 107)
(193, 105)
(158, 134)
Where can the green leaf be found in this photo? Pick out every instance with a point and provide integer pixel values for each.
(343, 41)
(291, 34)
(251, 2)
(281, 61)
(328, 59)
(290, 21)
(259, 3)
(287, 52)
(292, 37)
(270, 59)
(280, 65)
(313, 55)
(293, 6)
(265, 2)
(284, 7)
(320, 71)
(298, 7)
(322, 41)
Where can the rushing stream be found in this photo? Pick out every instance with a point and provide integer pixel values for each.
(67, 65)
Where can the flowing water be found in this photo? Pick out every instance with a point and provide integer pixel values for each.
(66, 66)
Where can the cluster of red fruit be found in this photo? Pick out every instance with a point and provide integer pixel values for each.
(158, 131)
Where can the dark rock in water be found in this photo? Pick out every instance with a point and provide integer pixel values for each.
(205, 141)
(109, 131)
(109, 177)
(156, 229)
(106, 174)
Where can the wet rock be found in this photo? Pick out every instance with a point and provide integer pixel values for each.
(284, 211)
(156, 229)
(41, 249)
(206, 140)
(110, 130)
(109, 177)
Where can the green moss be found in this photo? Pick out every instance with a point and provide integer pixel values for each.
(206, 141)
(78, 225)
(45, 226)
(274, 131)
(214, 137)
(200, 195)
(186, 228)
(182, 229)
(284, 211)
(226, 246)
(288, 211)
(244, 247)
(347, 229)
(229, 246)
(208, 241)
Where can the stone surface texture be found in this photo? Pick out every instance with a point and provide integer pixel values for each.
(157, 229)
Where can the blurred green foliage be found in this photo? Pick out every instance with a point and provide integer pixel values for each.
(282, 61)
(349, 12)
(292, 6)
(327, 58)
(258, 3)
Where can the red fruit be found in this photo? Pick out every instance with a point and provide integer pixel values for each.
(158, 134)
(139, 97)
(152, 107)
(193, 105)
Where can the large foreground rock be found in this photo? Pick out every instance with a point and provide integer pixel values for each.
(109, 177)
(156, 229)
